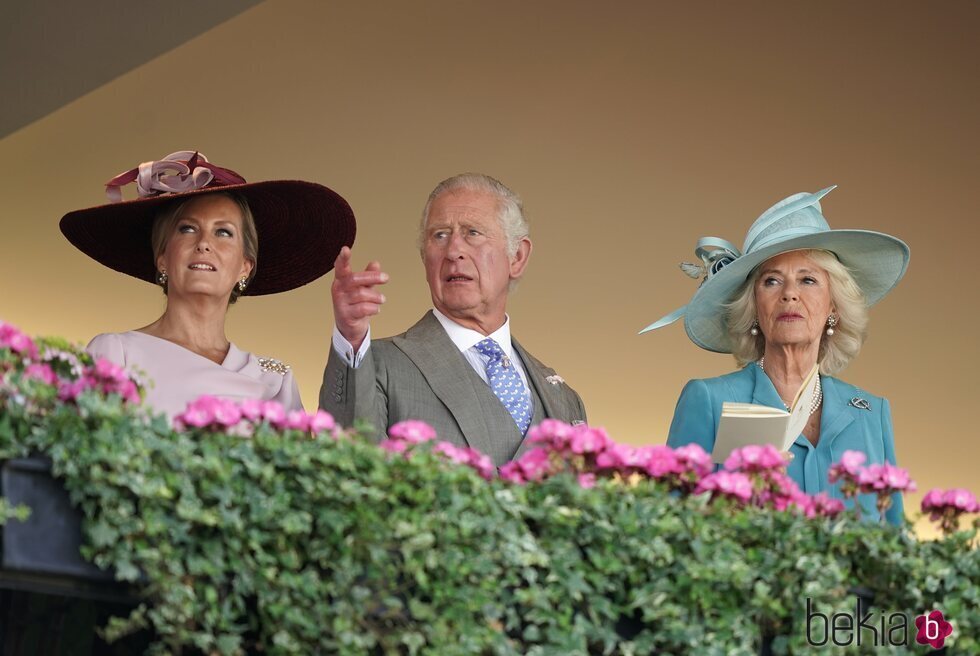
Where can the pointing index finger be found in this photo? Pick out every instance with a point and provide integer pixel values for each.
(342, 264)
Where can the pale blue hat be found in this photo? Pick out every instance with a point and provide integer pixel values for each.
(876, 261)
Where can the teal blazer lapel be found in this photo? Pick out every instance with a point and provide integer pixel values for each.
(835, 415)
(451, 378)
(764, 392)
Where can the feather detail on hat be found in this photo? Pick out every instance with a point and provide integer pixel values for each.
(693, 270)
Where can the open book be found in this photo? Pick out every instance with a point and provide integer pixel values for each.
(742, 424)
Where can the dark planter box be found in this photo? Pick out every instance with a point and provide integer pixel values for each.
(51, 599)
(48, 541)
(42, 554)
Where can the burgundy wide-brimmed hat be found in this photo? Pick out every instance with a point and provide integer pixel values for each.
(301, 225)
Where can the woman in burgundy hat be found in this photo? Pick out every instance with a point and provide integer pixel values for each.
(196, 230)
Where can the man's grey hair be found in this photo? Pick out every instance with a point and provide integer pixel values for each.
(510, 212)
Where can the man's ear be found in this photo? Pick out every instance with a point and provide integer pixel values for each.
(519, 262)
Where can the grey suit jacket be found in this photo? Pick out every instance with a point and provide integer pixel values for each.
(421, 374)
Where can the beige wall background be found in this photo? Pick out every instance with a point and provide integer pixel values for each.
(630, 128)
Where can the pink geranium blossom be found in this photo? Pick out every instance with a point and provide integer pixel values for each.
(322, 422)
(693, 460)
(947, 506)
(414, 432)
(12, 338)
(663, 461)
(535, 464)
(586, 440)
(297, 420)
(251, 410)
(734, 485)
(755, 458)
(822, 505)
(512, 473)
(274, 413)
(41, 372)
(394, 446)
(552, 434)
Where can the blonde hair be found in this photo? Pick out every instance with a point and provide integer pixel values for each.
(836, 351)
(167, 218)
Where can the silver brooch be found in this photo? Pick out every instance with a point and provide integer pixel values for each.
(859, 403)
(555, 379)
(271, 364)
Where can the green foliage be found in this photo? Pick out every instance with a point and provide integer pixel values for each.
(283, 544)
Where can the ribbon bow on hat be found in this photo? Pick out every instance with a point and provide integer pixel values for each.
(185, 170)
(715, 253)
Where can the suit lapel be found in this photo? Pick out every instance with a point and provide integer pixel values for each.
(552, 396)
(549, 394)
(449, 375)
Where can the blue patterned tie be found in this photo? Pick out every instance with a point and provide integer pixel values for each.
(506, 383)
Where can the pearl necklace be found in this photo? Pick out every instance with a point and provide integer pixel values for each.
(815, 400)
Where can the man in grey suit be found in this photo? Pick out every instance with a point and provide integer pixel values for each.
(458, 368)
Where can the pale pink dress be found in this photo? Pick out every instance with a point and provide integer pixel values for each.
(176, 376)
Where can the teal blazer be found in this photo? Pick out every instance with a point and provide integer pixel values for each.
(843, 427)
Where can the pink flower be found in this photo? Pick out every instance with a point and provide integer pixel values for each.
(16, 341)
(251, 409)
(848, 467)
(322, 421)
(961, 499)
(129, 392)
(896, 478)
(947, 506)
(41, 372)
(693, 458)
(534, 464)
(198, 414)
(932, 499)
(512, 473)
(957, 499)
(662, 461)
(69, 391)
(109, 371)
(755, 458)
(226, 413)
(734, 485)
(274, 413)
(482, 464)
(297, 420)
(394, 446)
(453, 452)
(551, 432)
(822, 505)
(412, 431)
(586, 481)
(850, 461)
(585, 439)
(615, 456)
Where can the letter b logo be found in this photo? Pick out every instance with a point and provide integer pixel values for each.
(933, 629)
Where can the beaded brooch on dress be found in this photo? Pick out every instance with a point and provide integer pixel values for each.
(271, 364)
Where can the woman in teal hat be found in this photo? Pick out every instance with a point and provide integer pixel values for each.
(796, 295)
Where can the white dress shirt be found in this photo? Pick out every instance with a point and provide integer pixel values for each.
(464, 338)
